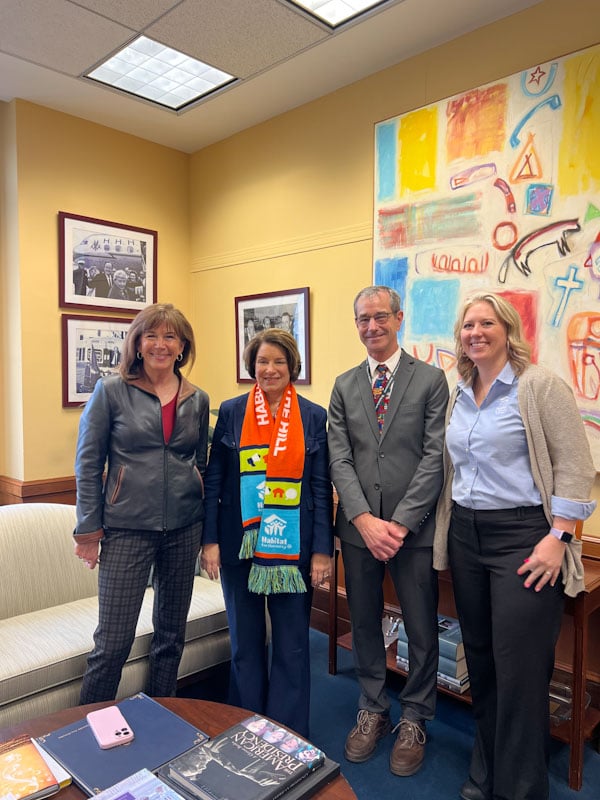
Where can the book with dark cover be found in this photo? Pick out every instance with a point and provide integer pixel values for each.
(314, 781)
(254, 760)
(160, 735)
(449, 635)
(447, 666)
(24, 774)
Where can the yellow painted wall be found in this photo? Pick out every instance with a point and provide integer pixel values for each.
(67, 164)
(285, 204)
(11, 383)
(289, 203)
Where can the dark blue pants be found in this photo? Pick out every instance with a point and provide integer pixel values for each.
(283, 691)
(509, 634)
(126, 558)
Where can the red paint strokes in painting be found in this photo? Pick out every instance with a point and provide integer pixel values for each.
(476, 122)
(526, 304)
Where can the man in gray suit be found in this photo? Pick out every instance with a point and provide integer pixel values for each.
(386, 464)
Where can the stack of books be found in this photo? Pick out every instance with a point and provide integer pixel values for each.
(254, 760)
(28, 773)
(452, 665)
(170, 759)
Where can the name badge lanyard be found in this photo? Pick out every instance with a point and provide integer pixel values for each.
(388, 388)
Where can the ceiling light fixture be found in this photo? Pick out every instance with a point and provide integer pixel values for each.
(336, 12)
(164, 76)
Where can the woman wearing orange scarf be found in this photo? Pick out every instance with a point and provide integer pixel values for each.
(268, 528)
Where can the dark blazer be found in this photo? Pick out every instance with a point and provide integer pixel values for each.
(223, 514)
(398, 475)
(100, 283)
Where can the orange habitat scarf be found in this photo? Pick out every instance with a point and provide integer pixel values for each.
(271, 468)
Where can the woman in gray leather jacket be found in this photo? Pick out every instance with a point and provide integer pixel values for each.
(147, 428)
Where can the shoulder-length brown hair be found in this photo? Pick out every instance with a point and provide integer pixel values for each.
(149, 319)
(518, 350)
(279, 338)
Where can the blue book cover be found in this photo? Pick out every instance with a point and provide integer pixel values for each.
(159, 736)
(447, 666)
(450, 637)
(458, 685)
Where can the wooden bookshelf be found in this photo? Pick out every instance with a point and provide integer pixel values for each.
(584, 723)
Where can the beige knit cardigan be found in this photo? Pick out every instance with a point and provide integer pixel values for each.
(561, 461)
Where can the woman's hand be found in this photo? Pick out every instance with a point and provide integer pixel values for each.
(88, 553)
(319, 568)
(544, 563)
(210, 560)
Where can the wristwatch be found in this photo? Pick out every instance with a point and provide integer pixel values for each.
(563, 536)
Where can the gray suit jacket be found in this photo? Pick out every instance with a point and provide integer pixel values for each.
(398, 475)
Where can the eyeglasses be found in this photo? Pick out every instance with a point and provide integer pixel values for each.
(380, 318)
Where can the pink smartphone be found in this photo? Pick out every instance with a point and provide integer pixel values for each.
(109, 727)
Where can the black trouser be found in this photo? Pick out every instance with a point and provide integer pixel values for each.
(509, 633)
(416, 584)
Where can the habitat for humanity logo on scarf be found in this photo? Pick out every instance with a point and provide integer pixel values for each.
(271, 467)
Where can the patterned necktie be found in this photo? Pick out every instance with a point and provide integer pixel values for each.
(380, 396)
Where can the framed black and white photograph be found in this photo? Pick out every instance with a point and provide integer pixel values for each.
(92, 347)
(288, 309)
(105, 265)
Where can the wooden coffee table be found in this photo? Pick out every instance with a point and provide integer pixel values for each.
(210, 717)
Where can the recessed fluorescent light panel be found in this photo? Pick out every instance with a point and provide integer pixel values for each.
(336, 12)
(159, 74)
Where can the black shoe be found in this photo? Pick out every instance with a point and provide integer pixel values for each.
(470, 791)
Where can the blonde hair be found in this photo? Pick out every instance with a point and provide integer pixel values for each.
(518, 350)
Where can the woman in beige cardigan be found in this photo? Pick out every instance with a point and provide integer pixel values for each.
(518, 470)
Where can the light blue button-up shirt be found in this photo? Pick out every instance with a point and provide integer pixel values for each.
(488, 448)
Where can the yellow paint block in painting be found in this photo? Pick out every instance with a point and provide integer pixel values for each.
(579, 154)
(417, 151)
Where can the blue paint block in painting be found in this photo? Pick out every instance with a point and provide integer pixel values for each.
(392, 272)
(431, 308)
(385, 154)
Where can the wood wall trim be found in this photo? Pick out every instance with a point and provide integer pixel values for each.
(591, 546)
(47, 490)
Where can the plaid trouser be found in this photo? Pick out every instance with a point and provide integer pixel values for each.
(126, 558)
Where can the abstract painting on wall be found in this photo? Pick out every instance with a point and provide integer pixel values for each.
(498, 189)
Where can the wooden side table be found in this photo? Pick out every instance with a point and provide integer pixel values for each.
(204, 714)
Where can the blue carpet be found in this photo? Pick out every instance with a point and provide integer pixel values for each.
(449, 737)
(449, 740)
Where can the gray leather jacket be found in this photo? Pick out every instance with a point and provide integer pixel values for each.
(149, 485)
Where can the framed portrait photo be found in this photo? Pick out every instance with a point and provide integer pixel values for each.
(105, 265)
(92, 347)
(288, 310)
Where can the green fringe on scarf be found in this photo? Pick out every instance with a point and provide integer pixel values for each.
(248, 545)
(275, 580)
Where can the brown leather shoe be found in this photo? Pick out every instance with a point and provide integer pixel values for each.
(362, 739)
(409, 749)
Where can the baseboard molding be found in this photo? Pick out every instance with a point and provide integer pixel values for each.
(48, 490)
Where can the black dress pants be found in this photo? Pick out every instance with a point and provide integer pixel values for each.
(416, 585)
(509, 633)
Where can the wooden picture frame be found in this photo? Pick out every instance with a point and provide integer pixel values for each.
(92, 347)
(287, 309)
(92, 254)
